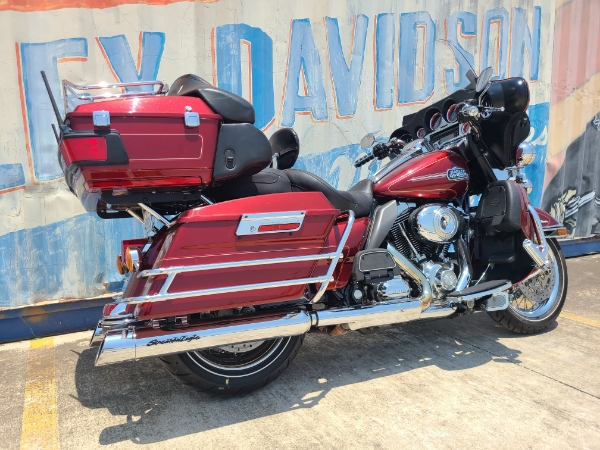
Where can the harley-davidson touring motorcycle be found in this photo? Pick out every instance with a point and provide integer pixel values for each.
(244, 254)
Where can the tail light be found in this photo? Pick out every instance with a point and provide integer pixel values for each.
(82, 149)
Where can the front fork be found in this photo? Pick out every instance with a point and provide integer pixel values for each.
(538, 252)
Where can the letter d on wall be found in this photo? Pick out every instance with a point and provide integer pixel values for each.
(409, 28)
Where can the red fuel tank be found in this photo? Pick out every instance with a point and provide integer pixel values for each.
(439, 175)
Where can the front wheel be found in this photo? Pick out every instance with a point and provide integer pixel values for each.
(536, 303)
(234, 369)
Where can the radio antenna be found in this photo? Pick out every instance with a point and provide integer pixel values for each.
(54, 107)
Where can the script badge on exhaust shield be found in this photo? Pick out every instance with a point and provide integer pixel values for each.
(456, 174)
(173, 340)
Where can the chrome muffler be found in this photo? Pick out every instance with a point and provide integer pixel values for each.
(135, 342)
(143, 342)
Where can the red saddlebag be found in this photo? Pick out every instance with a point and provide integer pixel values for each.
(255, 228)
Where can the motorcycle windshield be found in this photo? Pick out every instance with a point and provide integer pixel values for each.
(441, 76)
(433, 71)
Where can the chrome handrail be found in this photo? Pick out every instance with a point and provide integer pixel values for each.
(172, 272)
(70, 91)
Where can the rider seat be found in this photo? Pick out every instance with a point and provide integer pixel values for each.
(358, 198)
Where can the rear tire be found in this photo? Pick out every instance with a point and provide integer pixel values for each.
(233, 370)
(535, 304)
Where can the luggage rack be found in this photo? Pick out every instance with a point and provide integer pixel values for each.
(70, 93)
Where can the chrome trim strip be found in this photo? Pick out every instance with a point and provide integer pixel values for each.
(477, 295)
(251, 223)
(164, 294)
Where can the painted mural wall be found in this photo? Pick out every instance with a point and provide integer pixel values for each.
(572, 181)
(335, 71)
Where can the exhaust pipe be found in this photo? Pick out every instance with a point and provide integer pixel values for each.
(144, 342)
(132, 343)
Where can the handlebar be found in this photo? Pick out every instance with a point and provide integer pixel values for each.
(379, 151)
(365, 159)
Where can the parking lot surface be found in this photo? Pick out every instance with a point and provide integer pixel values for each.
(446, 384)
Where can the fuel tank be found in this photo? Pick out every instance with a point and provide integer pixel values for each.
(440, 175)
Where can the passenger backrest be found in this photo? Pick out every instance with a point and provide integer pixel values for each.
(232, 107)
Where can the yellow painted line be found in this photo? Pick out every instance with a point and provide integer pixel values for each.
(40, 416)
(580, 319)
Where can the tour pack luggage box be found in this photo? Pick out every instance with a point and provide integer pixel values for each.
(139, 144)
(217, 247)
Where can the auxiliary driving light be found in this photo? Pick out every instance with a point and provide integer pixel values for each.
(525, 154)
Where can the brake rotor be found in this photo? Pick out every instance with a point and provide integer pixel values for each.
(539, 288)
(241, 348)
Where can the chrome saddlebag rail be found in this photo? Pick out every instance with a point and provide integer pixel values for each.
(172, 272)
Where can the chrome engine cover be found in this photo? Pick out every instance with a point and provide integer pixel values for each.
(436, 223)
(441, 276)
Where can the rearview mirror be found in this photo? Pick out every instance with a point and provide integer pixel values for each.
(484, 79)
(367, 141)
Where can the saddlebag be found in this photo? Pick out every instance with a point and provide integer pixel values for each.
(499, 208)
(213, 254)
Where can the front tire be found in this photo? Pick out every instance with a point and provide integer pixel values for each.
(234, 369)
(536, 303)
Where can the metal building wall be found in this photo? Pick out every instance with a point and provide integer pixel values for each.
(572, 181)
(335, 71)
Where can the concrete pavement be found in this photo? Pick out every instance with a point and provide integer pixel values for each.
(447, 384)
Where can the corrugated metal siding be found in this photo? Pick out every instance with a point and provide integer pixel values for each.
(572, 181)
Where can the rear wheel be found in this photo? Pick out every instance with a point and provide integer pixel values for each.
(536, 303)
(234, 369)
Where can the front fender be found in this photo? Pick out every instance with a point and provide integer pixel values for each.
(550, 225)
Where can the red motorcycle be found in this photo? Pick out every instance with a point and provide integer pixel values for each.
(246, 255)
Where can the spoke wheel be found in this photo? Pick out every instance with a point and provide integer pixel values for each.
(535, 304)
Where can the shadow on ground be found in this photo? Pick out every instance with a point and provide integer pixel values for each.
(158, 408)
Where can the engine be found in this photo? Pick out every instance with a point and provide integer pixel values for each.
(425, 235)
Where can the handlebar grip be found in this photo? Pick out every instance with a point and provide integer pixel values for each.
(365, 159)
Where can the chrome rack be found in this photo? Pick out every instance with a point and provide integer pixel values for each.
(70, 93)
(172, 272)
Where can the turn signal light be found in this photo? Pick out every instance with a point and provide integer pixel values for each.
(562, 232)
(132, 258)
(121, 267)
